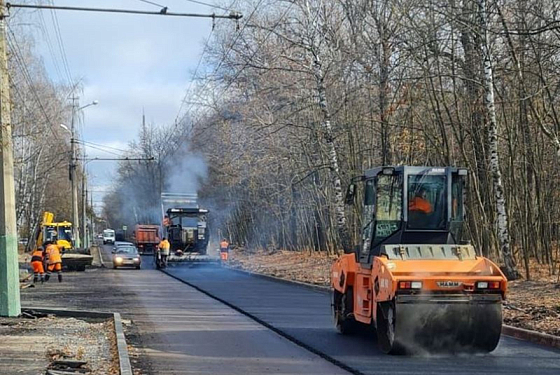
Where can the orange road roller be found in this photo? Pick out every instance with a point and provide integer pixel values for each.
(414, 278)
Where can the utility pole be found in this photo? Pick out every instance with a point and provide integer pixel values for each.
(9, 269)
(84, 206)
(92, 219)
(73, 162)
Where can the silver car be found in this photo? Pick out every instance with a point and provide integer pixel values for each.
(126, 256)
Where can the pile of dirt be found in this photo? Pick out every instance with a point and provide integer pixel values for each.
(533, 304)
(31, 346)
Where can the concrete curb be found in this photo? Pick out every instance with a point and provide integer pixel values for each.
(518, 333)
(124, 360)
(122, 349)
(532, 336)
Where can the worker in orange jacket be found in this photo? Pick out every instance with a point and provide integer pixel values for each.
(420, 202)
(37, 259)
(54, 261)
(163, 248)
(224, 250)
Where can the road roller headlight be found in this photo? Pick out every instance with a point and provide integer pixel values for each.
(488, 285)
(407, 285)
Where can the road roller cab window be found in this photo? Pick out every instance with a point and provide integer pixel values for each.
(427, 203)
(388, 212)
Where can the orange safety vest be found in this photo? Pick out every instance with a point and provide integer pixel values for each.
(37, 256)
(53, 254)
(164, 246)
(224, 245)
(420, 204)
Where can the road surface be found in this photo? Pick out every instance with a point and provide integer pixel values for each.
(304, 315)
(185, 331)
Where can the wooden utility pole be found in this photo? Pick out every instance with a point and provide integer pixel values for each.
(9, 269)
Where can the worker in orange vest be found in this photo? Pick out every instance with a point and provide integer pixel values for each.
(37, 259)
(224, 250)
(54, 260)
(420, 202)
(163, 247)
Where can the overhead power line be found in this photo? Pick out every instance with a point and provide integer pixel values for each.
(209, 5)
(14, 46)
(163, 12)
(61, 46)
(151, 3)
(222, 60)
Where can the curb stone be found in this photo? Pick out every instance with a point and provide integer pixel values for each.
(124, 360)
(535, 337)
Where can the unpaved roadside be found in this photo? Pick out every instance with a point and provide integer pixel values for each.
(29, 346)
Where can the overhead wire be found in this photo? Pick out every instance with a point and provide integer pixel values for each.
(152, 3)
(222, 93)
(61, 44)
(226, 54)
(100, 149)
(208, 5)
(17, 53)
(194, 75)
(100, 145)
(47, 37)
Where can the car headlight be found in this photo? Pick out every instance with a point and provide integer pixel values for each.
(118, 259)
(136, 259)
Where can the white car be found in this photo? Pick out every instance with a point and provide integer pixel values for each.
(108, 236)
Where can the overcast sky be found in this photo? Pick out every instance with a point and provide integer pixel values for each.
(128, 63)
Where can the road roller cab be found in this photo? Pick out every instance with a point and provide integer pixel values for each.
(413, 277)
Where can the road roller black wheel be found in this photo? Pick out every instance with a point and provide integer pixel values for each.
(342, 312)
(386, 327)
(487, 327)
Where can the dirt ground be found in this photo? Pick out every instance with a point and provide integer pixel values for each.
(533, 304)
(29, 346)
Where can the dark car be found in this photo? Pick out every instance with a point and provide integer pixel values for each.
(126, 256)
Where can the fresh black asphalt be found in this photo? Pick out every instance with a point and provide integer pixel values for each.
(304, 315)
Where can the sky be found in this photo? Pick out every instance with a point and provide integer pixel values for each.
(129, 63)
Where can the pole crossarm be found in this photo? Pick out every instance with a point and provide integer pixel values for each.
(163, 12)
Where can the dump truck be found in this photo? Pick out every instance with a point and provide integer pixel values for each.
(184, 223)
(60, 233)
(146, 238)
(413, 277)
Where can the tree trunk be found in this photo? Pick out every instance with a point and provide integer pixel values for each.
(328, 137)
(501, 214)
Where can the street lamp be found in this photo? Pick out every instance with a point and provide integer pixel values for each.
(75, 220)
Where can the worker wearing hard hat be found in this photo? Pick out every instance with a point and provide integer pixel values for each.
(37, 258)
(224, 250)
(164, 251)
(54, 260)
